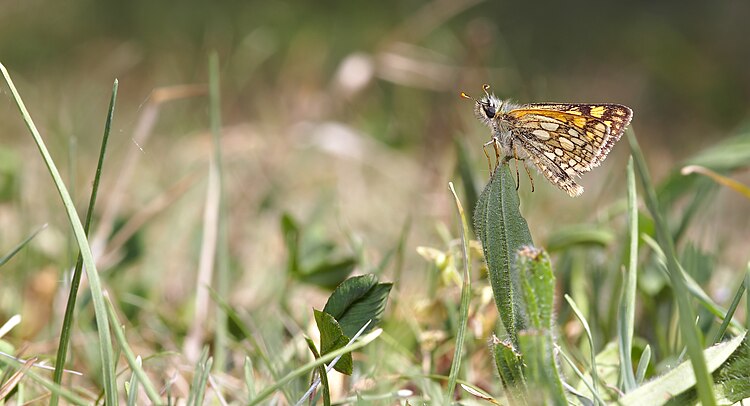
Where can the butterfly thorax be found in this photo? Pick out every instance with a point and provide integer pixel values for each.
(492, 111)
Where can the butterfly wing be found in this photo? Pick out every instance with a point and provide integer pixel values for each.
(565, 140)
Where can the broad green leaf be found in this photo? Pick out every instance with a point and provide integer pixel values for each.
(291, 232)
(566, 237)
(503, 231)
(356, 301)
(329, 274)
(332, 338)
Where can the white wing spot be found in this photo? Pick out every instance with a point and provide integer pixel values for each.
(565, 143)
(549, 155)
(549, 126)
(541, 134)
(559, 152)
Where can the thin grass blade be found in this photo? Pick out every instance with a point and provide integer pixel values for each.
(688, 329)
(109, 379)
(626, 314)
(463, 317)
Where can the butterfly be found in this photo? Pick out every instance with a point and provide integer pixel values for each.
(563, 140)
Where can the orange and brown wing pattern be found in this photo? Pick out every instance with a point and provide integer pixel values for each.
(565, 140)
(595, 120)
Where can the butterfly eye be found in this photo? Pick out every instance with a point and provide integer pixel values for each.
(489, 110)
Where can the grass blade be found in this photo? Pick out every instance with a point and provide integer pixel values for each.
(584, 322)
(688, 329)
(368, 338)
(640, 372)
(463, 318)
(20, 245)
(626, 314)
(730, 312)
(200, 379)
(582, 377)
(67, 325)
(692, 286)
(105, 345)
(222, 247)
(249, 379)
(133, 385)
(133, 361)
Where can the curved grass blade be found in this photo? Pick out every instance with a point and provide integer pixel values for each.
(363, 341)
(640, 373)
(730, 312)
(720, 179)
(688, 329)
(67, 325)
(585, 324)
(626, 314)
(100, 311)
(465, 298)
(133, 361)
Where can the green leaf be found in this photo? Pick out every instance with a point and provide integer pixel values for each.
(541, 372)
(332, 338)
(509, 365)
(640, 373)
(328, 274)
(356, 301)
(503, 231)
(291, 232)
(538, 281)
(661, 390)
(583, 234)
(733, 378)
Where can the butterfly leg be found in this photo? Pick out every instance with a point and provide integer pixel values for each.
(484, 148)
(531, 179)
(496, 146)
(516, 158)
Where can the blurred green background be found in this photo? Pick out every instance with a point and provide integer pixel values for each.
(345, 114)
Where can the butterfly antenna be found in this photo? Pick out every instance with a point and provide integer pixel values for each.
(486, 89)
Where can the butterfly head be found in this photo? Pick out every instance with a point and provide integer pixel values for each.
(487, 108)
